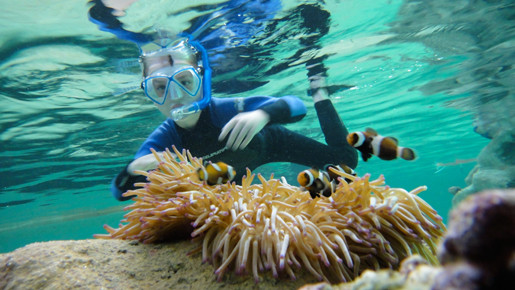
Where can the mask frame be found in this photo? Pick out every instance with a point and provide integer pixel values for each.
(173, 87)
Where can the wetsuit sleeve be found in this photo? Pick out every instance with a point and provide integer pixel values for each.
(123, 182)
(288, 146)
(335, 133)
(163, 137)
(287, 109)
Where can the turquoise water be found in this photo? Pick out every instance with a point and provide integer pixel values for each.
(421, 72)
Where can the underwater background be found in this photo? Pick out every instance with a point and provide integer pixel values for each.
(437, 75)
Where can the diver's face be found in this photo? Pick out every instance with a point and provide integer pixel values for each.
(172, 87)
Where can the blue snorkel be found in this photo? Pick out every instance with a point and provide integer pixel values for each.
(179, 113)
(206, 89)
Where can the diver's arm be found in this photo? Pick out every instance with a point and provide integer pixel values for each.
(160, 139)
(335, 133)
(106, 19)
(253, 114)
(123, 182)
(287, 109)
(163, 137)
(126, 179)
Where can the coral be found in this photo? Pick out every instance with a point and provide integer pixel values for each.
(414, 273)
(278, 227)
(478, 251)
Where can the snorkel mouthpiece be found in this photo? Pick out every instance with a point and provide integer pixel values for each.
(182, 112)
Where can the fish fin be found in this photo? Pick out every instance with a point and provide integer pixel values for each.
(313, 194)
(393, 139)
(319, 184)
(408, 154)
(365, 156)
(371, 131)
(202, 174)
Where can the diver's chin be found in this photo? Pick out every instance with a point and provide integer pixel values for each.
(168, 112)
(188, 122)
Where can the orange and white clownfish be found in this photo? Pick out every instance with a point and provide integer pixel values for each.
(343, 168)
(316, 182)
(386, 148)
(216, 173)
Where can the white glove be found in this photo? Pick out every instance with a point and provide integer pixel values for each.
(144, 163)
(244, 127)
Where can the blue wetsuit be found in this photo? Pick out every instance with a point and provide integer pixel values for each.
(274, 143)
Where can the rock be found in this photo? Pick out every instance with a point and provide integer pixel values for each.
(478, 251)
(414, 273)
(120, 264)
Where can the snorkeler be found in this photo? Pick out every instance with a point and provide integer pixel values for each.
(243, 132)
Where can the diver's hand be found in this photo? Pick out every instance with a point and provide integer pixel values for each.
(318, 88)
(144, 163)
(243, 128)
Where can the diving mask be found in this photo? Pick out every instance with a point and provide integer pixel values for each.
(170, 77)
(181, 84)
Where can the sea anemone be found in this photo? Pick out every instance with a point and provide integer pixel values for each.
(278, 227)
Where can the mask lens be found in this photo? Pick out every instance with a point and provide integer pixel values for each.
(184, 83)
(156, 89)
(188, 81)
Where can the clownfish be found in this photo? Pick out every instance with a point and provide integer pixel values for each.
(216, 173)
(343, 168)
(316, 182)
(386, 148)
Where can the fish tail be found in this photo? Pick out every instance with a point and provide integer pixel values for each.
(407, 153)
